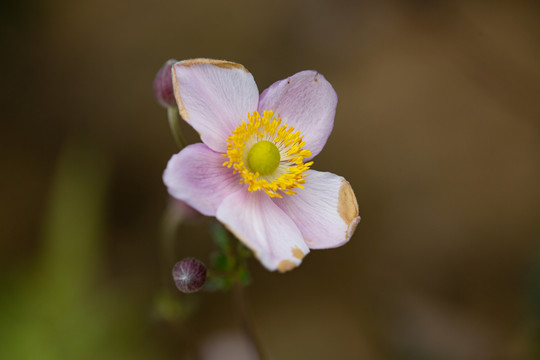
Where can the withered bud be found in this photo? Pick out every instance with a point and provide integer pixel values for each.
(189, 275)
(163, 86)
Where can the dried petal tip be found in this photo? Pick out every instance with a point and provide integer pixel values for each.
(189, 275)
(163, 86)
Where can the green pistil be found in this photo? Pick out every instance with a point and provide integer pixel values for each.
(263, 157)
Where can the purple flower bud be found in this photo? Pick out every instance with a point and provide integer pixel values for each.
(163, 87)
(189, 275)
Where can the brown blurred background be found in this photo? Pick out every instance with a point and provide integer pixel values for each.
(437, 130)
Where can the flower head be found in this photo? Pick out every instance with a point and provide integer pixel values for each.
(253, 168)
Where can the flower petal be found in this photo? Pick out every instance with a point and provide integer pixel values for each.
(306, 101)
(214, 96)
(196, 175)
(264, 228)
(325, 211)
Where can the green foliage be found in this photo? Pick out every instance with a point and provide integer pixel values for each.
(228, 263)
(55, 307)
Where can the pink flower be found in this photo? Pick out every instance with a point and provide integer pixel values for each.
(252, 169)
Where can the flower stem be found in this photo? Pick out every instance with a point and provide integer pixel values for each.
(247, 322)
(171, 223)
(174, 123)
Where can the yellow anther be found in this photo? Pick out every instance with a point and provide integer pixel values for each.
(269, 156)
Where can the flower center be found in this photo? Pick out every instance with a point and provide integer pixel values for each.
(263, 157)
(269, 156)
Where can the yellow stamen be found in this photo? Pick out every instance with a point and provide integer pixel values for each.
(289, 174)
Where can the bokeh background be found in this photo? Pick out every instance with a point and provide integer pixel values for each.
(437, 130)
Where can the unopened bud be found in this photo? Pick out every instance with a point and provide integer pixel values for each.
(163, 86)
(189, 275)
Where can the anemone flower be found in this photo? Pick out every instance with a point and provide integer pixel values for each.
(252, 169)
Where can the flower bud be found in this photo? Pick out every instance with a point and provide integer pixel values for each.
(163, 86)
(189, 275)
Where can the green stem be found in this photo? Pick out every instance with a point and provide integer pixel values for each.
(174, 123)
(170, 226)
(247, 322)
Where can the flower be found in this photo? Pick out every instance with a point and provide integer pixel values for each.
(252, 169)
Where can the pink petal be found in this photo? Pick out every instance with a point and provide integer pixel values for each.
(264, 228)
(306, 101)
(196, 176)
(325, 211)
(214, 96)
